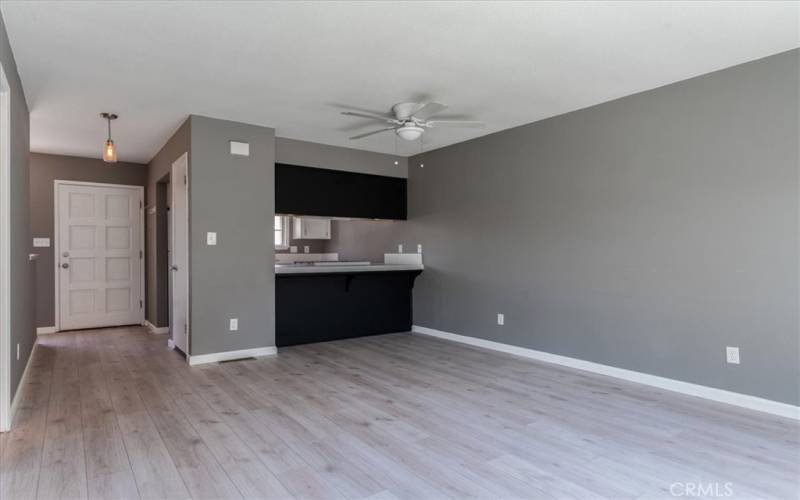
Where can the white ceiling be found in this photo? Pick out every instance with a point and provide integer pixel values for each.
(295, 66)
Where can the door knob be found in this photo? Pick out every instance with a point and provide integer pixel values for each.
(65, 265)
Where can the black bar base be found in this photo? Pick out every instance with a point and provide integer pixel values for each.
(331, 306)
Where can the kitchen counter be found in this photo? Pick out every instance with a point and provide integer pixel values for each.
(338, 269)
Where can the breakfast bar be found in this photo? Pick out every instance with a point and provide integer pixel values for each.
(322, 302)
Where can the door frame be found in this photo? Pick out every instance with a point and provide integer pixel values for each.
(57, 249)
(5, 252)
(171, 236)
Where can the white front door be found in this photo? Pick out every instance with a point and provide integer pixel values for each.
(99, 255)
(179, 254)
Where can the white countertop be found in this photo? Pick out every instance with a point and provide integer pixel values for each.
(305, 269)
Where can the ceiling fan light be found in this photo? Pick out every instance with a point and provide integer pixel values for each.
(409, 132)
(110, 152)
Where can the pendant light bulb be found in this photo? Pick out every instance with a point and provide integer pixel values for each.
(110, 152)
(109, 148)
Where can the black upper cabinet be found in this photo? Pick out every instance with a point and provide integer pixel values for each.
(334, 193)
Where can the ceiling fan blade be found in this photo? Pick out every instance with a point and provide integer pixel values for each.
(370, 116)
(429, 109)
(454, 123)
(360, 136)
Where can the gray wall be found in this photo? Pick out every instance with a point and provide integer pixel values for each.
(44, 169)
(311, 154)
(23, 333)
(646, 233)
(157, 307)
(234, 196)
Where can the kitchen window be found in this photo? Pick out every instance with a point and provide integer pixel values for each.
(281, 232)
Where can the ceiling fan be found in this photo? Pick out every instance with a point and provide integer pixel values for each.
(410, 119)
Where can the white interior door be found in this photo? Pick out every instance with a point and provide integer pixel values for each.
(100, 255)
(179, 214)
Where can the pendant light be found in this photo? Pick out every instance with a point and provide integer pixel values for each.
(109, 148)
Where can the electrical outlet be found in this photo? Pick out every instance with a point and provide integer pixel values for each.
(732, 355)
(419, 248)
(293, 249)
(306, 249)
(211, 238)
(501, 319)
(400, 248)
(233, 324)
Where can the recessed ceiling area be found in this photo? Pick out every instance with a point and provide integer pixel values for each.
(295, 66)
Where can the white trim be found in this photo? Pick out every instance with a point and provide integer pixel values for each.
(158, 330)
(701, 391)
(215, 357)
(20, 386)
(6, 409)
(57, 252)
(45, 330)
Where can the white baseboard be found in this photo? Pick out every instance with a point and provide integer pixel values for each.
(701, 391)
(45, 330)
(158, 330)
(215, 357)
(14, 402)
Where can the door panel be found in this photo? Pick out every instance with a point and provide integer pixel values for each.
(100, 256)
(179, 254)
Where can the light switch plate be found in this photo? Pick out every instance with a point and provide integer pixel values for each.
(240, 148)
(292, 249)
(400, 248)
(233, 324)
(211, 238)
(306, 249)
(501, 319)
(41, 242)
(732, 355)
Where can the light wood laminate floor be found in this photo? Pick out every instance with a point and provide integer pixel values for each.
(114, 414)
